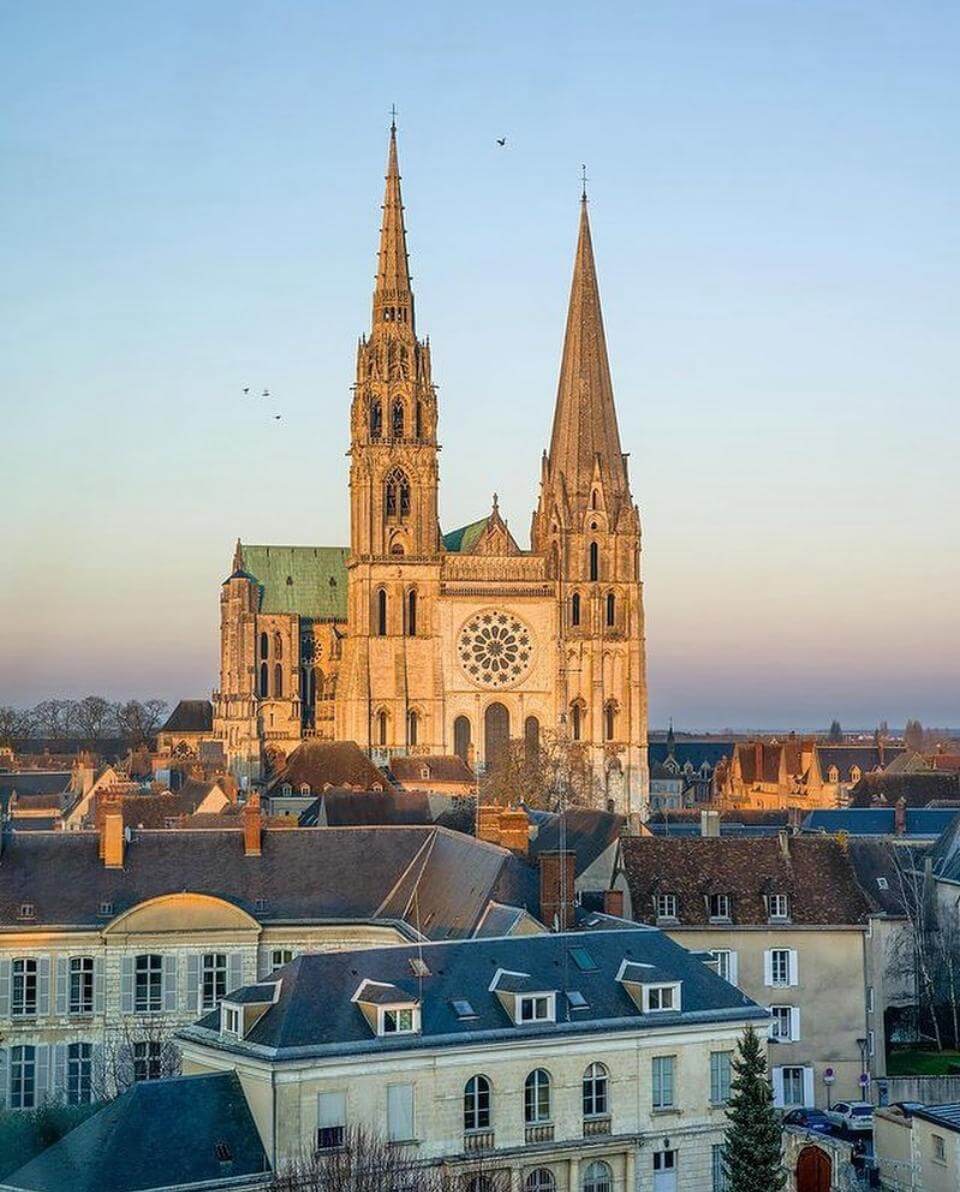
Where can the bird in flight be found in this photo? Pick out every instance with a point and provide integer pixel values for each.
(501, 141)
(277, 417)
(266, 393)
(246, 389)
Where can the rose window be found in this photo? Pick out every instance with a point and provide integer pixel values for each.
(495, 649)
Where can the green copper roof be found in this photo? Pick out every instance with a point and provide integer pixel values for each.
(466, 537)
(310, 581)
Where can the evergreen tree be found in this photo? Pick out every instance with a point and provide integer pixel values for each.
(836, 733)
(753, 1141)
(913, 736)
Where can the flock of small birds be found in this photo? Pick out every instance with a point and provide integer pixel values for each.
(502, 142)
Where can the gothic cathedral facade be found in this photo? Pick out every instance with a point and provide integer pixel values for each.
(412, 641)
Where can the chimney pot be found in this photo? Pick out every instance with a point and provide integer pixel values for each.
(613, 903)
(709, 823)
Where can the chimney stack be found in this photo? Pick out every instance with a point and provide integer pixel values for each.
(488, 823)
(514, 830)
(613, 903)
(558, 890)
(900, 816)
(112, 840)
(252, 825)
(709, 823)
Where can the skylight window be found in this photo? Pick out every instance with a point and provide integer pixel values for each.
(583, 960)
(463, 1009)
(881, 883)
(576, 999)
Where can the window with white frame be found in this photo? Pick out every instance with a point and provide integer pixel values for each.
(726, 964)
(79, 1073)
(720, 1074)
(939, 1148)
(331, 1120)
(213, 979)
(279, 957)
(666, 906)
(233, 1021)
(147, 1060)
(661, 997)
(595, 1082)
(663, 1161)
(24, 989)
(781, 967)
(541, 1179)
(536, 1097)
(719, 906)
(598, 1177)
(81, 985)
(535, 1007)
(777, 906)
(23, 1077)
(148, 984)
(663, 1069)
(793, 1086)
(399, 1021)
(476, 1104)
(400, 1113)
(785, 1024)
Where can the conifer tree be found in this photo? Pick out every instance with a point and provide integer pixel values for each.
(753, 1142)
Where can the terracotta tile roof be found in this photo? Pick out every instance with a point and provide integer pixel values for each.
(321, 764)
(816, 876)
(917, 789)
(440, 768)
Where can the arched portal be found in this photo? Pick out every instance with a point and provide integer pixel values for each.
(814, 1170)
(461, 737)
(496, 733)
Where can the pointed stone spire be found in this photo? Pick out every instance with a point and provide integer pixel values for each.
(585, 433)
(393, 298)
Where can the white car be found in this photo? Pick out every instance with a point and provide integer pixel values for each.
(851, 1115)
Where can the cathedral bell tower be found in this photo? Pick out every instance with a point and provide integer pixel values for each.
(588, 528)
(394, 562)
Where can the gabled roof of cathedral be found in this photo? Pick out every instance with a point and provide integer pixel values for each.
(464, 539)
(585, 433)
(310, 581)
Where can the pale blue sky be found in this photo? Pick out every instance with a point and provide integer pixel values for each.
(190, 204)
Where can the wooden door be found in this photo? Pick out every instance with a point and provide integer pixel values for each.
(814, 1170)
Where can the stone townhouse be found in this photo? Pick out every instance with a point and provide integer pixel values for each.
(108, 944)
(576, 1062)
(784, 919)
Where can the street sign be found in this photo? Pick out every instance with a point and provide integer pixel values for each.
(829, 1076)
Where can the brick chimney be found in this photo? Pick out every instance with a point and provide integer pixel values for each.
(488, 823)
(709, 823)
(613, 903)
(758, 761)
(112, 840)
(514, 830)
(557, 906)
(252, 826)
(900, 816)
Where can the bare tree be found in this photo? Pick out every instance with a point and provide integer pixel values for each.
(15, 724)
(142, 1048)
(139, 720)
(555, 771)
(55, 718)
(918, 950)
(913, 736)
(95, 718)
(368, 1163)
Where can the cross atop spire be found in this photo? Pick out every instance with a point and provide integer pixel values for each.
(393, 298)
(585, 439)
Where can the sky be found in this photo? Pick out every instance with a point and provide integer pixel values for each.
(190, 203)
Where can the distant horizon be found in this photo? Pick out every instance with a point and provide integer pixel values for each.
(192, 208)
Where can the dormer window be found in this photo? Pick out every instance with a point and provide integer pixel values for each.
(719, 906)
(660, 998)
(232, 1020)
(536, 1007)
(666, 906)
(399, 1021)
(778, 906)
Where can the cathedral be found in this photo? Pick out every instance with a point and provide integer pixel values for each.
(412, 641)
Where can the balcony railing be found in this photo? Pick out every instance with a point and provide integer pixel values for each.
(542, 1133)
(595, 1125)
(478, 1140)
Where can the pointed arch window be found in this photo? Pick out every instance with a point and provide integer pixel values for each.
(397, 494)
(461, 737)
(397, 414)
(575, 609)
(594, 561)
(264, 680)
(418, 421)
(376, 419)
(382, 728)
(278, 681)
(264, 645)
(610, 720)
(611, 610)
(412, 613)
(277, 646)
(381, 612)
(413, 728)
(576, 721)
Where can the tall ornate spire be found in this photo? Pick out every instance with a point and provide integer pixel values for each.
(585, 437)
(393, 298)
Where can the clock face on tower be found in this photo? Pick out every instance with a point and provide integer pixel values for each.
(495, 649)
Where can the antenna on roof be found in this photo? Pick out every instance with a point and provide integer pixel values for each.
(421, 967)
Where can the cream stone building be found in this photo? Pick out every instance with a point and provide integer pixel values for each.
(415, 641)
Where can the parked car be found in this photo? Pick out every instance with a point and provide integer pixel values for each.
(852, 1115)
(809, 1119)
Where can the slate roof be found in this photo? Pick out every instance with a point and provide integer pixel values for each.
(873, 863)
(315, 1016)
(817, 877)
(941, 1115)
(344, 809)
(866, 757)
(589, 834)
(310, 581)
(440, 768)
(32, 782)
(945, 853)
(917, 789)
(190, 716)
(160, 1133)
(695, 752)
(879, 821)
(320, 764)
(465, 538)
(431, 877)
